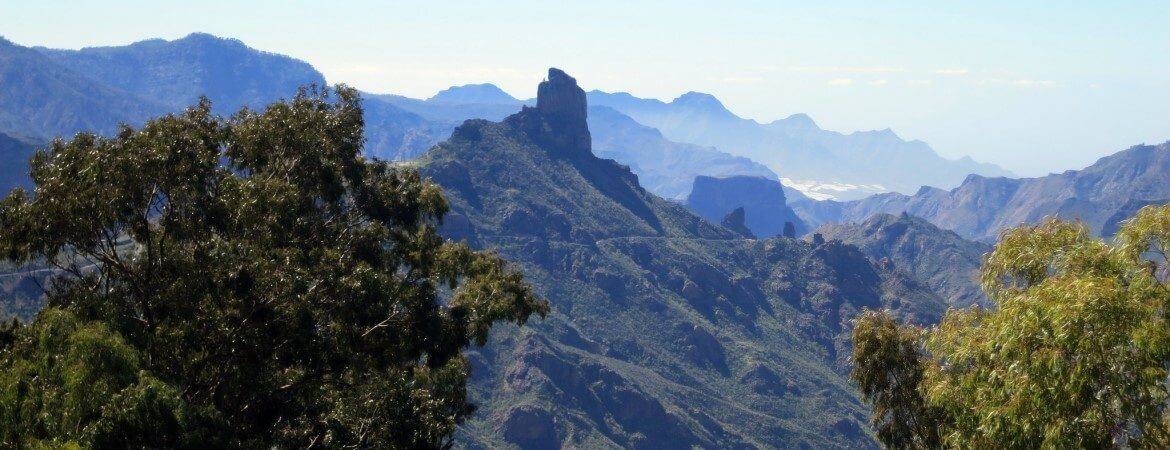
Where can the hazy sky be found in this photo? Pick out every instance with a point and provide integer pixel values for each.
(1032, 86)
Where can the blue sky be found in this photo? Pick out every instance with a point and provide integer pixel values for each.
(1032, 86)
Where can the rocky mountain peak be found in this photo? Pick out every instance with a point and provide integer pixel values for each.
(563, 106)
(560, 95)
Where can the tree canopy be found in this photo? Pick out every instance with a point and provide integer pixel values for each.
(250, 281)
(1073, 354)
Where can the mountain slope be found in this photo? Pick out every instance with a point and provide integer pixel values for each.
(175, 73)
(666, 331)
(15, 153)
(982, 207)
(664, 167)
(41, 98)
(941, 259)
(866, 162)
(47, 93)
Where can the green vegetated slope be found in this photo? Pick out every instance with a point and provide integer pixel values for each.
(941, 259)
(666, 331)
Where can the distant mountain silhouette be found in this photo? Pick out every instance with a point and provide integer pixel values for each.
(664, 167)
(762, 201)
(41, 98)
(45, 93)
(982, 207)
(176, 73)
(469, 94)
(858, 163)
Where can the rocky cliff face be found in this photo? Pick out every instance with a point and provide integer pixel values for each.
(561, 105)
(763, 201)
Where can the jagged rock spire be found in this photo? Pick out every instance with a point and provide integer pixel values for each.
(562, 103)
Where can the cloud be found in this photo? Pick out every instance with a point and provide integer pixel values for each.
(1021, 83)
(919, 82)
(879, 82)
(956, 72)
(832, 69)
(841, 82)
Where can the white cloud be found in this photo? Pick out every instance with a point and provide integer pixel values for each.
(835, 69)
(841, 82)
(1021, 83)
(879, 82)
(956, 72)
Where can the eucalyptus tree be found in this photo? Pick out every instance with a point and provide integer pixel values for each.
(1073, 353)
(250, 281)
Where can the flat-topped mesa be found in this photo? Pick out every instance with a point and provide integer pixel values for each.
(562, 105)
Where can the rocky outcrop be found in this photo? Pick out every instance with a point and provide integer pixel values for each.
(763, 201)
(561, 103)
(734, 221)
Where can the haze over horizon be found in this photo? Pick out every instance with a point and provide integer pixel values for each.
(1032, 88)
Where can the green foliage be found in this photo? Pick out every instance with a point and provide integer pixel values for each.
(888, 366)
(1074, 354)
(67, 381)
(251, 279)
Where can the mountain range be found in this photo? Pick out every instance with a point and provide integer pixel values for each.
(981, 207)
(52, 92)
(683, 313)
(667, 331)
(826, 163)
(46, 93)
(667, 168)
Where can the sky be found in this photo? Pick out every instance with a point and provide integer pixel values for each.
(1035, 87)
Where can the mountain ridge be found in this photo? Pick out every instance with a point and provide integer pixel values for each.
(981, 206)
(797, 148)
